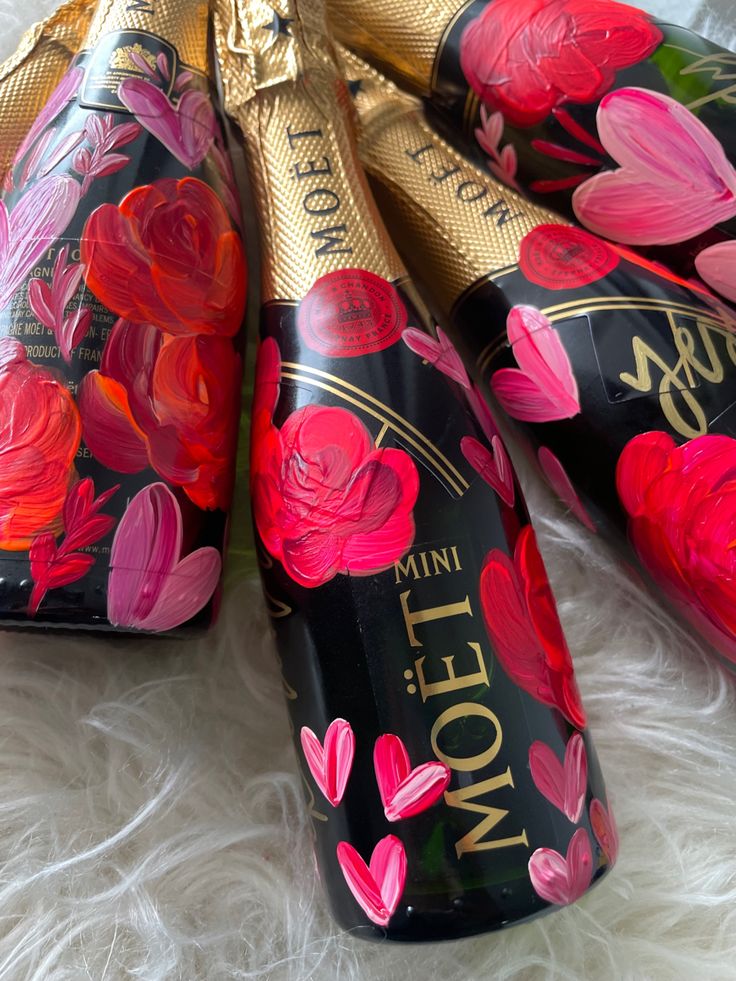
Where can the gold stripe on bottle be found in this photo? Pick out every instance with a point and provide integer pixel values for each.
(282, 86)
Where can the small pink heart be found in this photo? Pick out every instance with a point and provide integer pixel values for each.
(562, 486)
(563, 785)
(494, 468)
(439, 353)
(543, 387)
(330, 766)
(377, 888)
(563, 880)
(406, 792)
(604, 829)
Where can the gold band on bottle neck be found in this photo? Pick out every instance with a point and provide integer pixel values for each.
(183, 23)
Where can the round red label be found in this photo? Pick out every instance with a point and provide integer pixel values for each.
(560, 257)
(350, 312)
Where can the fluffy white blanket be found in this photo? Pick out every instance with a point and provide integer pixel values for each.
(151, 824)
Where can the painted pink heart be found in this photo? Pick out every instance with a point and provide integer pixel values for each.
(674, 180)
(543, 387)
(37, 219)
(604, 828)
(330, 764)
(406, 792)
(562, 486)
(187, 130)
(717, 266)
(377, 887)
(562, 880)
(563, 784)
(494, 467)
(439, 353)
(481, 410)
(151, 587)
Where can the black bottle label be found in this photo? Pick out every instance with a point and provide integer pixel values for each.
(127, 54)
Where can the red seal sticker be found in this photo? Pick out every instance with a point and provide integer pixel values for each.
(560, 257)
(350, 312)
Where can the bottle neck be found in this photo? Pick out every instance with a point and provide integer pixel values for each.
(182, 24)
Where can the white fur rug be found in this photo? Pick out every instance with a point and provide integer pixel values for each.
(150, 816)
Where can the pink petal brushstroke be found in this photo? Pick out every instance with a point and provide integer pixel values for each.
(563, 879)
(330, 764)
(493, 466)
(563, 784)
(377, 887)
(405, 791)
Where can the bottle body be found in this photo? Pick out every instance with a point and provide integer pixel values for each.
(420, 716)
(619, 373)
(587, 141)
(119, 316)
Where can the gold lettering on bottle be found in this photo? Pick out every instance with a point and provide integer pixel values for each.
(412, 618)
(465, 799)
(452, 681)
(446, 560)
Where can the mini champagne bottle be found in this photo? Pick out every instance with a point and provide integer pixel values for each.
(441, 737)
(122, 292)
(621, 375)
(591, 107)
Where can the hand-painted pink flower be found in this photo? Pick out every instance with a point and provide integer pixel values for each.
(522, 621)
(150, 586)
(377, 887)
(604, 829)
(49, 304)
(562, 486)
(187, 130)
(563, 784)
(674, 180)
(717, 266)
(681, 502)
(405, 791)
(494, 467)
(543, 387)
(326, 500)
(330, 765)
(40, 217)
(439, 353)
(563, 880)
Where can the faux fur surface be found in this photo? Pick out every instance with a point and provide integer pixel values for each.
(151, 822)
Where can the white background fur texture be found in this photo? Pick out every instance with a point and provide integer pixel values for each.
(151, 824)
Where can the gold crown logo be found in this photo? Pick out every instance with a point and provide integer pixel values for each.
(121, 58)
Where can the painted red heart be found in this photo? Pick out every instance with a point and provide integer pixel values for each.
(406, 792)
(494, 467)
(330, 765)
(377, 887)
(604, 829)
(561, 484)
(563, 784)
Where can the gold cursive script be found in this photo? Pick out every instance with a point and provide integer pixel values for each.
(677, 386)
(720, 66)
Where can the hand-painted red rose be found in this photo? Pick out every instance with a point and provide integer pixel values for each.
(681, 502)
(40, 432)
(527, 57)
(326, 500)
(521, 618)
(168, 256)
(166, 402)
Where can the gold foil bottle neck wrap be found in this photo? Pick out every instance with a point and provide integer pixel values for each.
(183, 23)
(403, 38)
(453, 223)
(282, 85)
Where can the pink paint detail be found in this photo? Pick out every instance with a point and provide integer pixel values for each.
(49, 304)
(405, 791)
(561, 484)
(377, 887)
(151, 587)
(55, 565)
(439, 353)
(681, 502)
(187, 130)
(503, 162)
(522, 621)
(482, 412)
(563, 880)
(543, 387)
(563, 784)
(40, 217)
(674, 180)
(330, 765)
(717, 266)
(494, 467)
(604, 829)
